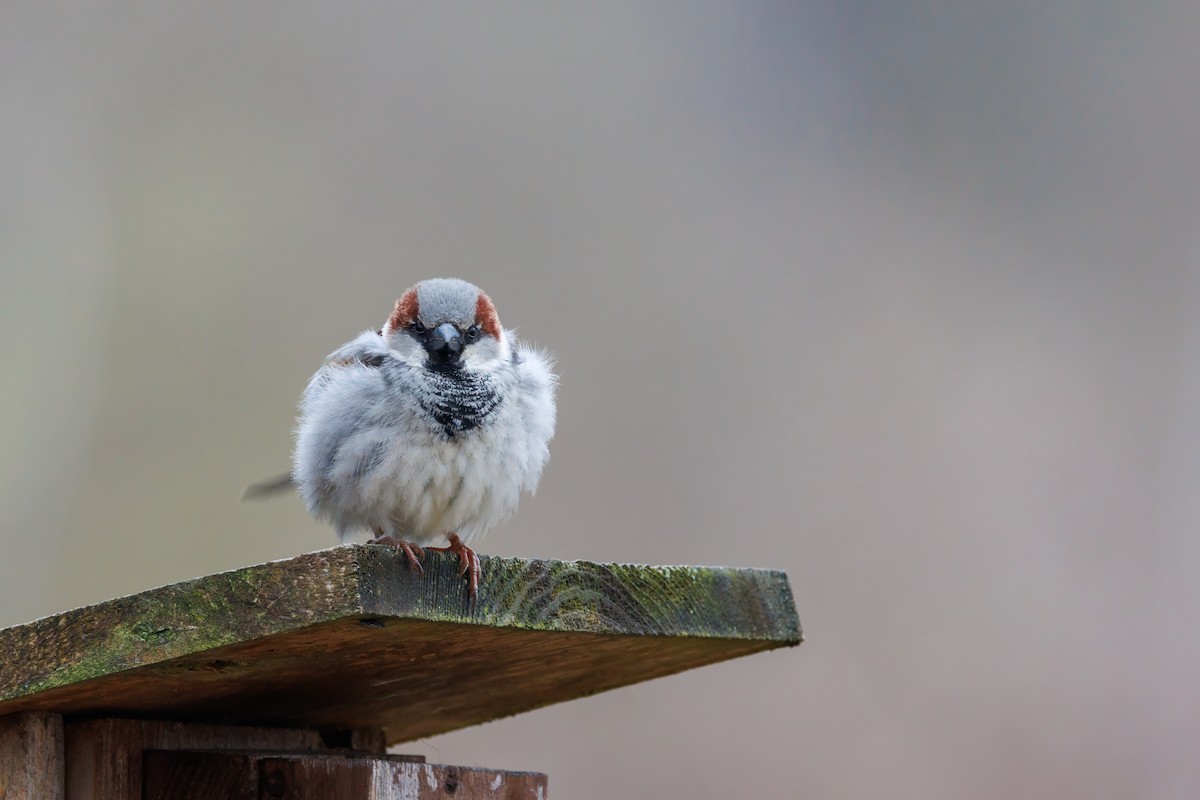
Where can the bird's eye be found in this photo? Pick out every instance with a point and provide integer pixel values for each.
(417, 327)
(471, 334)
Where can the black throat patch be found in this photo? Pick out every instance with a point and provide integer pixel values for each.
(459, 401)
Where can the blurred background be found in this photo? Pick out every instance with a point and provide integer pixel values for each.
(902, 299)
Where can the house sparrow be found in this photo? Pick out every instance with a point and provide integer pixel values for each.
(429, 427)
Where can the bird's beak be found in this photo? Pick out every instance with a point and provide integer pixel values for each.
(444, 345)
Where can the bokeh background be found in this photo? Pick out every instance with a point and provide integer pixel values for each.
(901, 298)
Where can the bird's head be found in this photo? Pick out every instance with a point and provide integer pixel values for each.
(445, 324)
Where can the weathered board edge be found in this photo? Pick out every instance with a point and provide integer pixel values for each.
(178, 619)
(586, 597)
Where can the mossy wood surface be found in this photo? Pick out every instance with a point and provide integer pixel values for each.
(352, 638)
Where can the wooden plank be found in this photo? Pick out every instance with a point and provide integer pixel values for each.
(251, 776)
(319, 778)
(31, 756)
(104, 757)
(314, 779)
(398, 781)
(187, 775)
(352, 638)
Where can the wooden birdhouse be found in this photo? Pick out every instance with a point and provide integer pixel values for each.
(291, 679)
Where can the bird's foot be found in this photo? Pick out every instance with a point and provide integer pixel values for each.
(468, 562)
(414, 553)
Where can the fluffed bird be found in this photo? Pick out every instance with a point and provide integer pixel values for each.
(430, 427)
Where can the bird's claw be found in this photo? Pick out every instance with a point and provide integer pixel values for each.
(468, 562)
(414, 553)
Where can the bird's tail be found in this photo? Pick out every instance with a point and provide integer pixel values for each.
(264, 489)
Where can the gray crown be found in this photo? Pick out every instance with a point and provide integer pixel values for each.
(447, 300)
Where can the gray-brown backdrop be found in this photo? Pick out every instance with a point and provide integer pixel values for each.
(901, 300)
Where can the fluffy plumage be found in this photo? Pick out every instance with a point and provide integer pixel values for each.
(432, 426)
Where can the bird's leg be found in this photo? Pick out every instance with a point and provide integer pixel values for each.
(468, 562)
(414, 553)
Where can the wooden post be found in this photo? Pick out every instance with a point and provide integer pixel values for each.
(306, 669)
(31, 756)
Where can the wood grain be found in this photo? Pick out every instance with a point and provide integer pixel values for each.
(254, 776)
(318, 778)
(189, 775)
(31, 756)
(351, 638)
(104, 757)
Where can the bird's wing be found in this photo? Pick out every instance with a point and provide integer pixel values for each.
(351, 405)
(367, 349)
